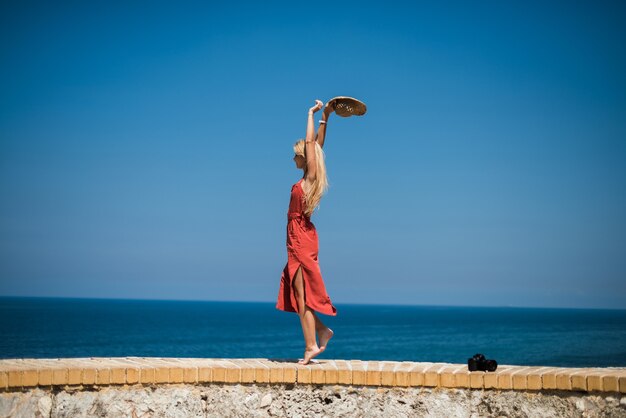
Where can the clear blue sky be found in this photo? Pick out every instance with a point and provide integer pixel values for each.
(146, 150)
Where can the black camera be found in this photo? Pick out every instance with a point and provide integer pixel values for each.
(479, 362)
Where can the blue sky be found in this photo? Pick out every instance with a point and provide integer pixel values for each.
(146, 150)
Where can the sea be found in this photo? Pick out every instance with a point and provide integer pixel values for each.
(71, 327)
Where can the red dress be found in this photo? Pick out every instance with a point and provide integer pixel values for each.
(302, 249)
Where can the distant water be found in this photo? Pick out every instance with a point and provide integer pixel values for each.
(54, 327)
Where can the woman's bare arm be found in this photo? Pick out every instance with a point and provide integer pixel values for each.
(321, 131)
(309, 143)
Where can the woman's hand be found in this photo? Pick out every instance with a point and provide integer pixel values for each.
(318, 106)
(328, 109)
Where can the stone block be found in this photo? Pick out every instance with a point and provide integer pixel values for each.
(88, 376)
(548, 378)
(344, 372)
(490, 380)
(318, 374)
(219, 374)
(132, 375)
(147, 375)
(519, 378)
(579, 380)
(610, 383)
(476, 379)
(59, 376)
(276, 373)
(161, 374)
(30, 378)
(118, 375)
(373, 373)
(416, 373)
(205, 374)
(563, 380)
(359, 372)
(330, 372)
(344, 377)
(594, 383)
(261, 371)
(505, 378)
(15, 379)
(233, 374)
(387, 373)
(431, 375)
(177, 375)
(447, 378)
(401, 377)
(303, 374)
(289, 373)
(103, 376)
(533, 378)
(4, 380)
(247, 372)
(75, 375)
(462, 377)
(46, 377)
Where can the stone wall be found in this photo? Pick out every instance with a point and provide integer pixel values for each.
(166, 387)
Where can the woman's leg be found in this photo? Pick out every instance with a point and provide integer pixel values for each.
(307, 319)
(323, 332)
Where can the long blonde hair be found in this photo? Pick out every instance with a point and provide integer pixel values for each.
(320, 185)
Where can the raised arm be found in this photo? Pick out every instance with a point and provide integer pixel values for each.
(321, 131)
(309, 142)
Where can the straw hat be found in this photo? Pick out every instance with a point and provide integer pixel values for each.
(347, 106)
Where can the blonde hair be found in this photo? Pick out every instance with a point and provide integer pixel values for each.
(320, 185)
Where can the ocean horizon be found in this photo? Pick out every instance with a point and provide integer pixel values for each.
(55, 327)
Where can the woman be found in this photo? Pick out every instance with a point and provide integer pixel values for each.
(302, 288)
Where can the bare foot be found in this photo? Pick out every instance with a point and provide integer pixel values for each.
(309, 354)
(324, 336)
